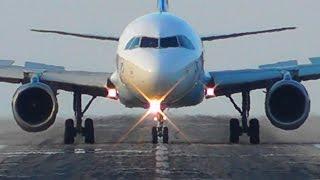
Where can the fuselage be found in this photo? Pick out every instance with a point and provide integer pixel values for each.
(159, 57)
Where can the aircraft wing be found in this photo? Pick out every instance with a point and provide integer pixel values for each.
(88, 36)
(236, 35)
(236, 81)
(91, 83)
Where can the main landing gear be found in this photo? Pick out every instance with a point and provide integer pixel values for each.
(236, 130)
(160, 131)
(72, 130)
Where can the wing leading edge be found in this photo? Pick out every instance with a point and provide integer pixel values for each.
(236, 81)
(91, 83)
(235, 35)
(88, 36)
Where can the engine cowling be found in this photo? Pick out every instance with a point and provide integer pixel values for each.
(34, 107)
(287, 104)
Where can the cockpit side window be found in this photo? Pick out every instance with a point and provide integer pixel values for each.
(133, 43)
(169, 42)
(129, 43)
(148, 42)
(185, 42)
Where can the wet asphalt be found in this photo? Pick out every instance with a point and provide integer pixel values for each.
(198, 149)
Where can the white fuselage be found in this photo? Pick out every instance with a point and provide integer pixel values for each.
(152, 71)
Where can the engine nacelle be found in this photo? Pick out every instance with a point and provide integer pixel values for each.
(34, 107)
(287, 104)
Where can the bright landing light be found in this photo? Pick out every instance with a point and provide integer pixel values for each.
(210, 92)
(155, 106)
(112, 93)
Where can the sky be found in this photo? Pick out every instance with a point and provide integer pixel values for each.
(110, 17)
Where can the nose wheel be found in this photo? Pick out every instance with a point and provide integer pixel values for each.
(154, 135)
(160, 131)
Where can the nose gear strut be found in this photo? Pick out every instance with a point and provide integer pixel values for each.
(160, 131)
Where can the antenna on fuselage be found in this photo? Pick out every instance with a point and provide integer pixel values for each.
(163, 5)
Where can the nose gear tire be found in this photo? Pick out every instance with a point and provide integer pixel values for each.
(154, 135)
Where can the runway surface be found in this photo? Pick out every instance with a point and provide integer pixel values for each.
(202, 154)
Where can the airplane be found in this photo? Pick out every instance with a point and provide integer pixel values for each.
(160, 65)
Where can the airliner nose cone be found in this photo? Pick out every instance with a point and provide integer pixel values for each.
(158, 73)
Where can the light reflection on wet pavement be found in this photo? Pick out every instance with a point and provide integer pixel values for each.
(39, 156)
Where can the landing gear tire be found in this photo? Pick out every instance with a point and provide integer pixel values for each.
(154, 135)
(88, 131)
(69, 132)
(254, 131)
(165, 137)
(235, 131)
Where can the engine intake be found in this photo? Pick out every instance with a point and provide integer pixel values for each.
(287, 104)
(34, 107)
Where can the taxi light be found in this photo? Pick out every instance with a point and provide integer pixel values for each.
(155, 106)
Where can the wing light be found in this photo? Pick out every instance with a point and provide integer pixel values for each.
(209, 92)
(113, 94)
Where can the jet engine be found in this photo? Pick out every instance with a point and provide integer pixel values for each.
(287, 104)
(34, 107)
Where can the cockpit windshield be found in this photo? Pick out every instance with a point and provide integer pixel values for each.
(133, 43)
(147, 42)
(169, 42)
(185, 42)
(160, 43)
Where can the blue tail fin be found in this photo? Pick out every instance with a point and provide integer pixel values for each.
(163, 5)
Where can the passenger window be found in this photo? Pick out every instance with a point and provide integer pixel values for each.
(147, 42)
(185, 42)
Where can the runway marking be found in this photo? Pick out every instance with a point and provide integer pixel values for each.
(32, 152)
(79, 151)
(162, 160)
(98, 151)
(15, 177)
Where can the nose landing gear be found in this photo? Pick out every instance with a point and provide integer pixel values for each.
(160, 131)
